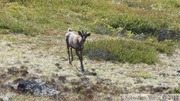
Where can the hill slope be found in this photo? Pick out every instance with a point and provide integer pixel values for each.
(44, 57)
(41, 52)
(101, 17)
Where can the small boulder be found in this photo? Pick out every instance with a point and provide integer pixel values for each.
(36, 87)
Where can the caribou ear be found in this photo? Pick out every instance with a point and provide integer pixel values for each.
(82, 32)
(88, 34)
(79, 33)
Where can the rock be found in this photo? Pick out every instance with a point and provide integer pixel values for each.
(178, 71)
(36, 87)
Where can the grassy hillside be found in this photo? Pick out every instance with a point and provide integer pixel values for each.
(34, 17)
(132, 19)
(132, 48)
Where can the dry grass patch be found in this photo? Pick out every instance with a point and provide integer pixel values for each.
(141, 74)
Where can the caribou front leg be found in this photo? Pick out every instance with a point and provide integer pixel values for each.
(80, 58)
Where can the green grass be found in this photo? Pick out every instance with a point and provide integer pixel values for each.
(164, 47)
(141, 74)
(33, 17)
(144, 75)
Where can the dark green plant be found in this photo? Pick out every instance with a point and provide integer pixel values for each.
(136, 23)
(122, 51)
(163, 47)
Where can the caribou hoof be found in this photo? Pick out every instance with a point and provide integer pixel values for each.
(89, 73)
(70, 62)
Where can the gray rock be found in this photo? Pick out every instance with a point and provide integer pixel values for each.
(36, 87)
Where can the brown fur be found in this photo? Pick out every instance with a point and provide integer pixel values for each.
(76, 42)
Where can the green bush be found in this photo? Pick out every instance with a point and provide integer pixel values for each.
(137, 24)
(162, 47)
(128, 50)
(122, 51)
(101, 27)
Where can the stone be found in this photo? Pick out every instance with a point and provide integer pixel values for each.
(36, 87)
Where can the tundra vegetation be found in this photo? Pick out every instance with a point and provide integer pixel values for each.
(133, 32)
(156, 19)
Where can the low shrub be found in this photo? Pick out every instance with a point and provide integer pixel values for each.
(101, 27)
(136, 23)
(166, 46)
(129, 50)
(122, 51)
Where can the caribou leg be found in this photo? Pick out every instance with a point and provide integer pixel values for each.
(68, 50)
(71, 54)
(80, 58)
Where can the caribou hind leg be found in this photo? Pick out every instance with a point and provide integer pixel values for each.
(68, 50)
(71, 54)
